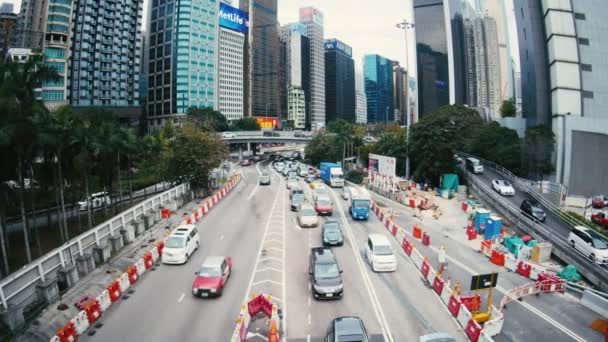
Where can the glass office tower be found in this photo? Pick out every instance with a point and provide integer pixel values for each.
(339, 81)
(378, 73)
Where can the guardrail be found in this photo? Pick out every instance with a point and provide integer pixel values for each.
(20, 286)
(593, 272)
(522, 184)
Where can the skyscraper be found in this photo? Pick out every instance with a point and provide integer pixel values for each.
(312, 18)
(297, 74)
(233, 26)
(440, 54)
(263, 81)
(361, 100)
(183, 50)
(106, 55)
(400, 94)
(8, 27)
(339, 82)
(31, 24)
(378, 73)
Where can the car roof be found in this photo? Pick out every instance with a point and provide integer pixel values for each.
(296, 187)
(323, 255)
(378, 238)
(213, 261)
(348, 325)
(306, 206)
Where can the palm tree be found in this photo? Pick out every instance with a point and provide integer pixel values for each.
(18, 82)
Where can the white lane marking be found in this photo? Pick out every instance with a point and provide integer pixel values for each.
(309, 319)
(308, 338)
(284, 288)
(257, 185)
(221, 237)
(386, 332)
(532, 309)
(181, 298)
(309, 300)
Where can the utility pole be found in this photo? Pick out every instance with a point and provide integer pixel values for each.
(405, 25)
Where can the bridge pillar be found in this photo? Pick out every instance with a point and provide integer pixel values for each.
(116, 242)
(127, 234)
(249, 149)
(13, 317)
(254, 149)
(85, 264)
(240, 153)
(138, 227)
(101, 253)
(48, 291)
(67, 276)
(147, 221)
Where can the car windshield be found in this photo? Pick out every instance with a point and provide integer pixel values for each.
(598, 241)
(325, 271)
(175, 242)
(351, 338)
(210, 271)
(383, 250)
(323, 201)
(537, 210)
(297, 198)
(308, 212)
(360, 204)
(321, 190)
(332, 227)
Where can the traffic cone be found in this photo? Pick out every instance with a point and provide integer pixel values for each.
(273, 336)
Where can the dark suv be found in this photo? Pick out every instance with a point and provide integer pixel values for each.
(533, 210)
(348, 328)
(325, 274)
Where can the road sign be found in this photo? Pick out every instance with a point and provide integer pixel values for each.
(483, 281)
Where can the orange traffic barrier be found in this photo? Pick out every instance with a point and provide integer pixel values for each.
(93, 311)
(148, 260)
(132, 272)
(417, 232)
(497, 258)
(160, 245)
(114, 290)
(485, 246)
(165, 213)
(273, 335)
(67, 333)
(426, 239)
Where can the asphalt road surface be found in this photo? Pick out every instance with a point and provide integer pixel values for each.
(254, 225)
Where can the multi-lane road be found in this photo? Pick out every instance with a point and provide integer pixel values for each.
(255, 226)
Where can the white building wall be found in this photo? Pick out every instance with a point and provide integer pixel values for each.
(230, 73)
(314, 30)
(360, 100)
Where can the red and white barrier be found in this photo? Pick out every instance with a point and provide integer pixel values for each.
(81, 323)
(104, 300)
(155, 255)
(141, 266)
(124, 282)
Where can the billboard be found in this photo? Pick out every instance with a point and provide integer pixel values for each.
(233, 18)
(382, 164)
(334, 44)
(267, 122)
(309, 14)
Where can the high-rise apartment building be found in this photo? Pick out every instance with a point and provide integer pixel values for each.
(8, 27)
(233, 27)
(31, 24)
(340, 100)
(297, 74)
(7, 7)
(378, 72)
(312, 18)
(106, 55)
(400, 94)
(262, 84)
(440, 54)
(361, 100)
(183, 53)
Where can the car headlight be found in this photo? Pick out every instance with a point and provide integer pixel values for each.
(212, 290)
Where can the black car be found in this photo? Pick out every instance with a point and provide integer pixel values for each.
(296, 200)
(325, 274)
(347, 328)
(331, 234)
(532, 209)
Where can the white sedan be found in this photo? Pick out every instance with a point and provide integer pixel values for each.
(503, 187)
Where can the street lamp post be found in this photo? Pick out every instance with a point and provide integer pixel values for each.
(405, 25)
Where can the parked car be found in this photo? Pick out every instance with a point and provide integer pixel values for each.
(589, 243)
(212, 276)
(181, 244)
(296, 201)
(98, 200)
(331, 234)
(265, 179)
(503, 187)
(325, 274)
(600, 219)
(228, 135)
(600, 201)
(307, 216)
(379, 254)
(347, 328)
(532, 209)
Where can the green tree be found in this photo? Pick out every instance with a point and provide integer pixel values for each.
(195, 154)
(538, 147)
(245, 124)
(208, 119)
(507, 109)
(500, 145)
(323, 147)
(393, 143)
(437, 137)
(18, 105)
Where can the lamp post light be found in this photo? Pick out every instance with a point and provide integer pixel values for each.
(405, 25)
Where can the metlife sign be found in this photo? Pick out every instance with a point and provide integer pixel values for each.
(334, 44)
(233, 18)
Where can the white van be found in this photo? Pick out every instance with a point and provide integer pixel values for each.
(590, 243)
(181, 244)
(98, 200)
(379, 254)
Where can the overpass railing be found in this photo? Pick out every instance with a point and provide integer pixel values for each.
(525, 185)
(596, 274)
(20, 287)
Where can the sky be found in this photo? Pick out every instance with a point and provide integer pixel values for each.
(367, 26)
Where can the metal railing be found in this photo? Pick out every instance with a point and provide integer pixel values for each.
(524, 185)
(593, 272)
(21, 285)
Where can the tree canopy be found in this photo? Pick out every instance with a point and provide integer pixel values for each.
(245, 124)
(508, 109)
(208, 119)
(500, 145)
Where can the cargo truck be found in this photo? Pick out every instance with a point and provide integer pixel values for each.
(359, 204)
(331, 173)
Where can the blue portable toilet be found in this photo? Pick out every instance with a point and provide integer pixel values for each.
(493, 228)
(481, 216)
